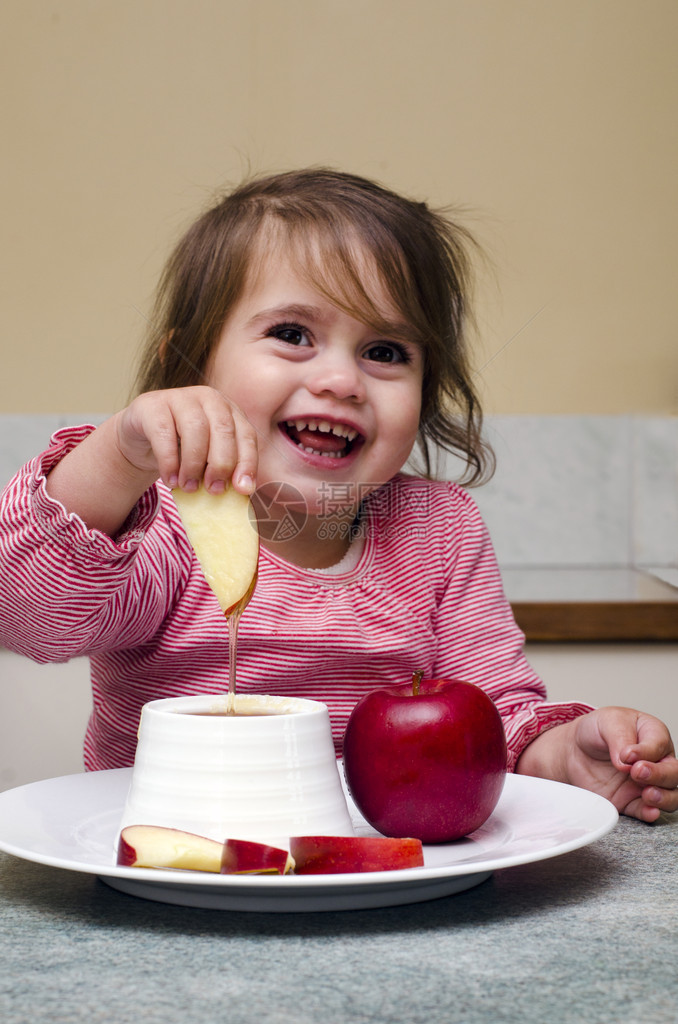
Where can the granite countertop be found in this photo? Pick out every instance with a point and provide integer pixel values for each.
(589, 936)
(605, 604)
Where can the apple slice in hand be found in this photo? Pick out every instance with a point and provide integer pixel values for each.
(222, 530)
(155, 846)
(326, 855)
(242, 857)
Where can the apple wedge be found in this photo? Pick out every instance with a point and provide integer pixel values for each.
(155, 846)
(327, 855)
(242, 857)
(222, 530)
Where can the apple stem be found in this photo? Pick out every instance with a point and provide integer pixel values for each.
(416, 680)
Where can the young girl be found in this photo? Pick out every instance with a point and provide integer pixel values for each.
(309, 332)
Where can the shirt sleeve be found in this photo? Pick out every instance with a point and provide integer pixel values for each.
(67, 590)
(479, 639)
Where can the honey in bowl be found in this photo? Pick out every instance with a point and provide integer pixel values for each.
(236, 714)
(244, 705)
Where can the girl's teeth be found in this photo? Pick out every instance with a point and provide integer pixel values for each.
(325, 427)
(325, 455)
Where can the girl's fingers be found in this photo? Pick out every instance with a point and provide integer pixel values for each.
(651, 802)
(189, 434)
(232, 452)
(147, 436)
(245, 472)
(216, 442)
(645, 803)
(222, 451)
(192, 429)
(642, 811)
(660, 774)
(224, 445)
(664, 799)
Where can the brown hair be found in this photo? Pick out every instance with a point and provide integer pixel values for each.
(328, 220)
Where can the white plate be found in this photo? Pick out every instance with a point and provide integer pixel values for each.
(72, 822)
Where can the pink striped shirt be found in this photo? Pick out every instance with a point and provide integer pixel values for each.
(426, 593)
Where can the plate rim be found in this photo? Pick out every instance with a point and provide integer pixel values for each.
(271, 885)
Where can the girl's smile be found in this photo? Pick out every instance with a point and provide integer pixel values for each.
(332, 400)
(322, 437)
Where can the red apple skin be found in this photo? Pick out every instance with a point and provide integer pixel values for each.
(336, 855)
(243, 857)
(430, 765)
(127, 855)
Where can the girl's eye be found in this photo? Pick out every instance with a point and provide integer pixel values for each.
(292, 334)
(391, 352)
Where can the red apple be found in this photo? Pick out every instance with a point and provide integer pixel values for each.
(154, 846)
(425, 759)
(242, 857)
(326, 855)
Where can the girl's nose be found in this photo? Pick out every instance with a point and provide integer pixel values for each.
(337, 374)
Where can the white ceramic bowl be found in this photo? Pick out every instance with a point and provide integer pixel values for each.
(267, 776)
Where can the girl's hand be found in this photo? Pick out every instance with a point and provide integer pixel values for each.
(624, 755)
(187, 434)
(182, 436)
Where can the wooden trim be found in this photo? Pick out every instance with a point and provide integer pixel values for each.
(560, 621)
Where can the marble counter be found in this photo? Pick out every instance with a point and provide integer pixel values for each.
(589, 936)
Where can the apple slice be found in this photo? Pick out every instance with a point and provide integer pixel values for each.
(326, 855)
(155, 846)
(222, 529)
(242, 857)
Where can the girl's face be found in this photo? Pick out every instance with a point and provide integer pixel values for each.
(335, 405)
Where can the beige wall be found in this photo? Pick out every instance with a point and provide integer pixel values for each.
(553, 120)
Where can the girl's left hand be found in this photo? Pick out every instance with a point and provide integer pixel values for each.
(624, 755)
